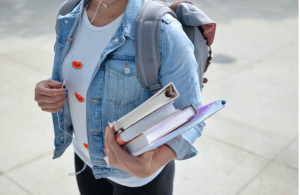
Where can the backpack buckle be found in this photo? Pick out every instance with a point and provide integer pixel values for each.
(155, 88)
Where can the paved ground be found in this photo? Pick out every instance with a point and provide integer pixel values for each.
(250, 148)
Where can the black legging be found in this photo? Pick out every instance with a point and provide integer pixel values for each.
(162, 184)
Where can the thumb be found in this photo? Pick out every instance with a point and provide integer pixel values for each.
(54, 84)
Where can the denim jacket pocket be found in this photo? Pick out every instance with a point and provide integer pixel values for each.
(123, 86)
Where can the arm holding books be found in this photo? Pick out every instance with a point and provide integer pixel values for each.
(141, 166)
(182, 72)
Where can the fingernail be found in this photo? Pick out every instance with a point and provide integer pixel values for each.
(67, 94)
(107, 123)
(66, 90)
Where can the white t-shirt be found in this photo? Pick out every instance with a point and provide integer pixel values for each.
(87, 49)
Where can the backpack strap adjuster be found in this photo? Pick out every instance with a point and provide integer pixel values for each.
(154, 88)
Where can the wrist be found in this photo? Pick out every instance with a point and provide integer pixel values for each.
(165, 153)
(142, 172)
(163, 156)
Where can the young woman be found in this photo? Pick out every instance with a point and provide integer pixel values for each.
(94, 80)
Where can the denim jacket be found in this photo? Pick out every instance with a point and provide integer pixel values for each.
(112, 93)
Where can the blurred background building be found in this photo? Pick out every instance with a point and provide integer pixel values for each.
(249, 148)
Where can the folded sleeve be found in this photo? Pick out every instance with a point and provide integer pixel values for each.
(178, 65)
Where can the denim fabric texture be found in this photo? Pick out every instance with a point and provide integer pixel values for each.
(119, 93)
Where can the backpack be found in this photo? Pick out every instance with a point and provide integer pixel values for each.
(196, 24)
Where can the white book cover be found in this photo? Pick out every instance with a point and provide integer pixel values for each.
(162, 97)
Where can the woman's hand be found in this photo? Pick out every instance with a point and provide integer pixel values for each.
(140, 166)
(48, 97)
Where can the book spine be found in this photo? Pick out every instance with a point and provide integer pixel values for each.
(195, 110)
(136, 144)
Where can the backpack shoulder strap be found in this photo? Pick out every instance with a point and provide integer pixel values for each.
(146, 35)
(66, 8)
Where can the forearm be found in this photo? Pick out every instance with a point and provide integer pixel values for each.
(163, 156)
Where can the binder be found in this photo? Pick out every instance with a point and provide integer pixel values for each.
(164, 96)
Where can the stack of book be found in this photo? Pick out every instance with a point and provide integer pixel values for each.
(156, 121)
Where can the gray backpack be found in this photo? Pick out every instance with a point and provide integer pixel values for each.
(197, 25)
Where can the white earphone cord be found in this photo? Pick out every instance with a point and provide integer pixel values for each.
(64, 82)
(81, 7)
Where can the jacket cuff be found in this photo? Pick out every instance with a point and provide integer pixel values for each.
(182, 144)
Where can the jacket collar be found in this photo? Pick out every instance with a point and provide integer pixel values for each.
(128, 22)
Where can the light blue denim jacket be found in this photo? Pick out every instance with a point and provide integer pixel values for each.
(112, 93)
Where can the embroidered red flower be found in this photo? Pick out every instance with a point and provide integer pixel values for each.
(76, 64)
(79, 97)
(86, 145)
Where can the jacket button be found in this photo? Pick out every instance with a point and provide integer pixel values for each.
(116, 40)
(66, 21)
(126, 70)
